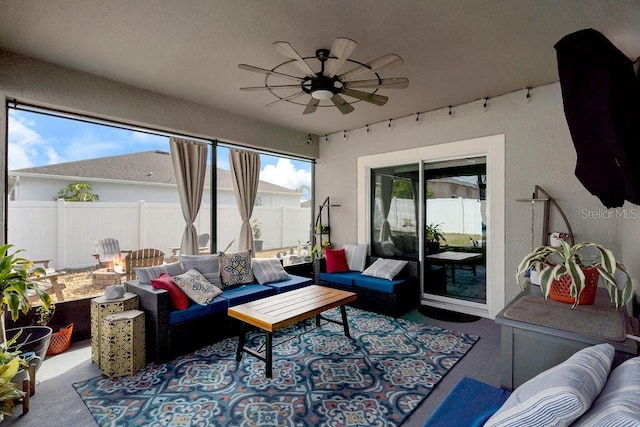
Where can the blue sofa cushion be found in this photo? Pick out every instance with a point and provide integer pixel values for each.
(244, 293)
(377, 284)
(344, 278)
(469, 404)
(293, 282)
(195, 311)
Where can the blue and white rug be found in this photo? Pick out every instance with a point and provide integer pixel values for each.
(376, 378)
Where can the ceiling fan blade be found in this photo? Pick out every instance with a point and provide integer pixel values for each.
(341, 49)
(375, 65)
(312, 106)
(391, 83)
(373, 98)
(258, 88)
(264, 71)
(286, 98)
(343, 106)
(285, 49)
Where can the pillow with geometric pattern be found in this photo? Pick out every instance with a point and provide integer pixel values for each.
(235, 268)
(197, 288)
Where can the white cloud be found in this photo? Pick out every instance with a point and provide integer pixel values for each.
(285, 174)
(25, 143)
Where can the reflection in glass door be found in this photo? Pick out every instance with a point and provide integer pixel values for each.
(455, 229)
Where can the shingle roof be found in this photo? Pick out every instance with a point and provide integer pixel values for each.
(147, 166)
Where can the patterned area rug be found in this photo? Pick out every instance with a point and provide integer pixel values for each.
(376, 378)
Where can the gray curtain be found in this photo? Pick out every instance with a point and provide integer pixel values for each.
(245, 173)
(190, 164)
(386, 187)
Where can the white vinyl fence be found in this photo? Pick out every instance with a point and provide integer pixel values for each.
(65, 232)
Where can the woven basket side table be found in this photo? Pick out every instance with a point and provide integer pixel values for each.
(101, 307)
(123, 343)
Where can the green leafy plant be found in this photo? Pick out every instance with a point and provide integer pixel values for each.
(77, 192)
(553, 262)
(256, 228)
(10, 364)
(433, 233)
(16, 280)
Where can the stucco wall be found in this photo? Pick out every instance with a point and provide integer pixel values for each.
(539, 151)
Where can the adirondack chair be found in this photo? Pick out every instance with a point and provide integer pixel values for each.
(106, 251)
(141, 258)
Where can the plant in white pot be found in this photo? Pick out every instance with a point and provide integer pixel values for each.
(566, 266)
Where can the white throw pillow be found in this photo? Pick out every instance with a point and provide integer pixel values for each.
(207, 265)
(356, 256)
(559, 395)
(385, 268)
(268, 270)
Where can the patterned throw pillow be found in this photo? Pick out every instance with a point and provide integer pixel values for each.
(356, 256)
(197, 288)
(559, 395)
(207, 265)
(384, 268)
(235, 268)
(268, 270)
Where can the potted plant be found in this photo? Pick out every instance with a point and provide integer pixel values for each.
(433, 235)
(15, 283)
(10, 364)
(256, 228)
(567, 266)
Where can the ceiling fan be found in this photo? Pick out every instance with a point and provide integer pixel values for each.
(326, 84)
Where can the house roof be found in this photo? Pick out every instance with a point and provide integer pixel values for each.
(147, 166)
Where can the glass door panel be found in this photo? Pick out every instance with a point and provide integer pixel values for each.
(455, 208)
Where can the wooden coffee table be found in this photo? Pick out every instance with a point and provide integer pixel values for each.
(278, 311)
(454, 258)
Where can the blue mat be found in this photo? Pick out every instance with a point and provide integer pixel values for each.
(377, 377)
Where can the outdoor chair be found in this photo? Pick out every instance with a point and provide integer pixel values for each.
(106, 251)
(141, 258)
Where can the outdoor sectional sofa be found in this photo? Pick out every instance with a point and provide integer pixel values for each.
(171, 332)
(389, 297)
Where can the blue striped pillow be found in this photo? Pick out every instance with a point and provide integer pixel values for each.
(558, 396)
(619, 403)
(268, 270)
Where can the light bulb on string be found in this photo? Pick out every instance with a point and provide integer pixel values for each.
(389, 127)
(344, 135)
(417, 117)
(368, 129)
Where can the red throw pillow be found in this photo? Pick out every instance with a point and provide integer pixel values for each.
(336, 260)
(178, 298)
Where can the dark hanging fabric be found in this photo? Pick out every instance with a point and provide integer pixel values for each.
(601, 97)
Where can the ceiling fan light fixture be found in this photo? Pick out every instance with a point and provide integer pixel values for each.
(322, 94)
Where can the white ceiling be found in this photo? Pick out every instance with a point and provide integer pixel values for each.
(454, 51)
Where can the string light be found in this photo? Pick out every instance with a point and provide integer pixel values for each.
(485, 104)
(344, 135)
(309, 139)
(326, 137)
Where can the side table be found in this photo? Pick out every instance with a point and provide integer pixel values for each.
(101, 307)
(538, 334)
(122, 347)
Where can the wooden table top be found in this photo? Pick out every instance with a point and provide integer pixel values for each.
(277, 311)
(452, 256)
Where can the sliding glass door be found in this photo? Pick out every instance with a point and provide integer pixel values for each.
(456, 229)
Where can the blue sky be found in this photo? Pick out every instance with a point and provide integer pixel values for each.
(38, 140)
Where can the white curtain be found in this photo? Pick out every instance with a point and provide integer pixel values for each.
(386, 187)
(245, 174)
(190, 164)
